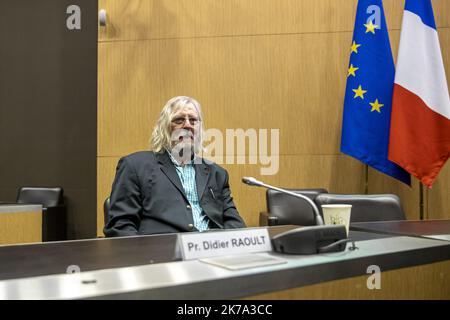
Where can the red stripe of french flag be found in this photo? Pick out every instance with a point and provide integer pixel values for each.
(420, 119)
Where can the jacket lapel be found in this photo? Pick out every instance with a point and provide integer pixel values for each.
(202, 172)
(168, 168)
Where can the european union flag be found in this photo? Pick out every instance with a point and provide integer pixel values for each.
(368, 96)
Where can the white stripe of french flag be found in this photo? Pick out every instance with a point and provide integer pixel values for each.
(420, 119)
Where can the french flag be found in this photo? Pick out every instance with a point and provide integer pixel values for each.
(420, 120)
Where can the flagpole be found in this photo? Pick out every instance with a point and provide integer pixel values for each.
(366, 179)
(421, 201)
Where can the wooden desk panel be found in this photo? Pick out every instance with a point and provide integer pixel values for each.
(20, 224)
(429, 281)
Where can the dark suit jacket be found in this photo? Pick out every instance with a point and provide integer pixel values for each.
(148, 197)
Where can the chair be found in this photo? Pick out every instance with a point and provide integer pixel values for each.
(285, 209)
(54, 213)
(106, 207)
(366, 208)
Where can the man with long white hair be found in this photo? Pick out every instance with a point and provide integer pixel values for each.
(171, 189)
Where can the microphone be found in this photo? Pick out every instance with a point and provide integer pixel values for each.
(253, 182)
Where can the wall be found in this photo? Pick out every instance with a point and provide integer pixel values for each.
(263, 64)
(48, 99)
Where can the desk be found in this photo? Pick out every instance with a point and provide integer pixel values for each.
(94, 254)
(20, 223)
(411, 268)
(435, 229)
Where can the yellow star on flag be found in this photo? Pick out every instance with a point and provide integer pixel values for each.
(351, 70)
(359, 92)
(376, 106)
(370, 27)
(355, 47)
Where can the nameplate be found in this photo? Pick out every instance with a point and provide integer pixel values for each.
(212, 244)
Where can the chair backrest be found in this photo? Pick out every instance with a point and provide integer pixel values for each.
(106, 207)
(47, 196)
(54, 213)
(366, 208)
(291, 210)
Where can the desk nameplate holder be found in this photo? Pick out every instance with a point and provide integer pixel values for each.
(211, 244)
(233, 250)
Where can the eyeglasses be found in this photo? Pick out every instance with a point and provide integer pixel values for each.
(181, 120)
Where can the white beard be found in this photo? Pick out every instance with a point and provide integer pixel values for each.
(183, 146)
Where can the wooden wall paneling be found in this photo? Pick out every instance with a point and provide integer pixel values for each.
(251, 64)
(271, 82)
(264, 82)
(128, 88)
(430, 281)
(156, 19)
(438, 197)
(106, 171)
(444, 39)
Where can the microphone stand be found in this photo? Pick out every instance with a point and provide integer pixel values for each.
(253, 182)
